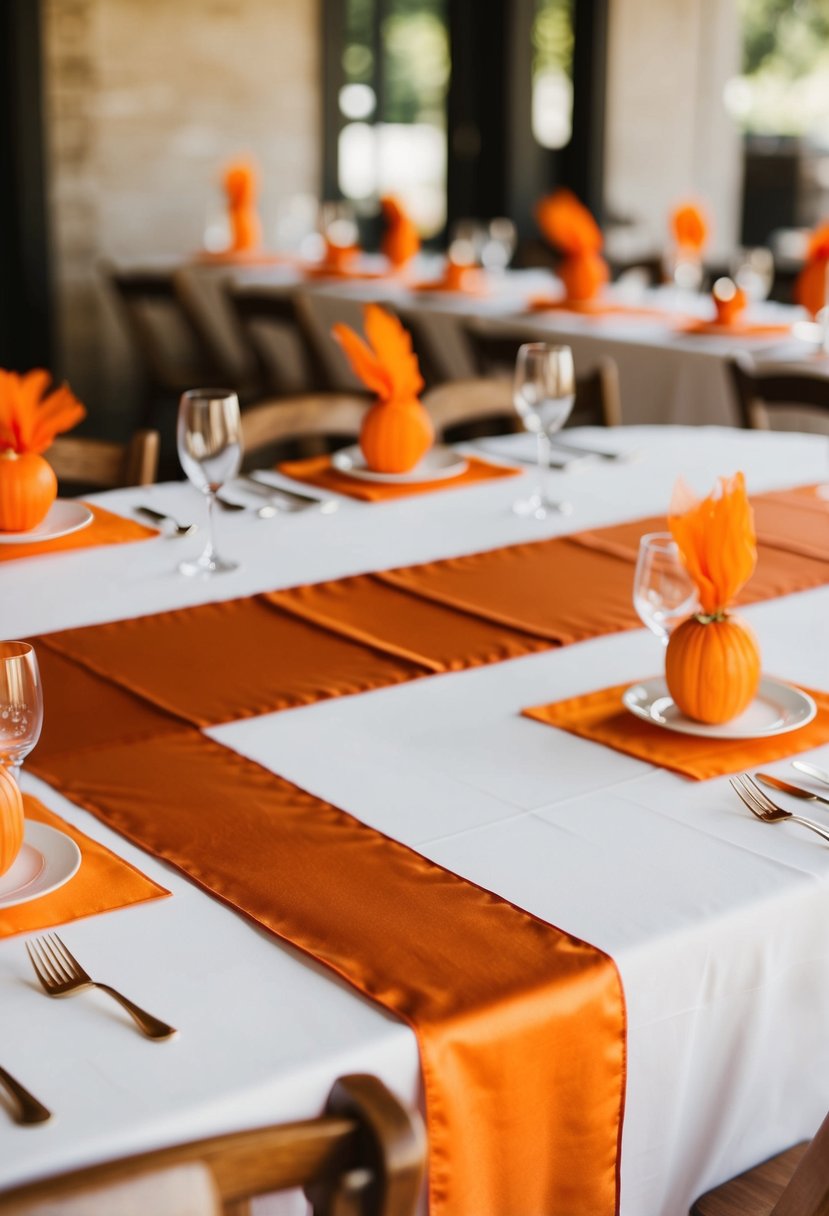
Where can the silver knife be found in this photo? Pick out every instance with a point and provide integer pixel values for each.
(796, 791)
(811, 770)
(263, 485)
(27, 1108)
(578, 450)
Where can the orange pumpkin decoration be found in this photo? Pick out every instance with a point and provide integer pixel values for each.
(397, 431)
(712, 667)
(11, 819)
(29, 420)
(28, 487)
(583, 275)
(712, 664)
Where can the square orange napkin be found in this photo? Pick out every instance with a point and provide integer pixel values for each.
(106, 529)
(318, 471)
(104, 882)
(601, 717)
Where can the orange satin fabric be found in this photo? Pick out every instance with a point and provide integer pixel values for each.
(521, 1027)
(601, 717)
(105, 529)
(318, 471)
(103, 882)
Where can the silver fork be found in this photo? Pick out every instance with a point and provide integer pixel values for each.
(160, 517)
(762, 806)
(61, 974)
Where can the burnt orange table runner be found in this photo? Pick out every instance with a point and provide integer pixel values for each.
(520, 1026)
(106, 528)
(103, 882)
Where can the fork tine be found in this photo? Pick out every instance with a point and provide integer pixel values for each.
(742, 796)
(56, 962)
(764, 798)
(46, 965)
(45, 979)
(68, 958)
(747, 798)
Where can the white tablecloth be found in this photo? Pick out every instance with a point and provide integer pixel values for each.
(717, 923)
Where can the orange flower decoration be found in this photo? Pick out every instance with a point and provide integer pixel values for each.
(810, 288)
(401, 241)
(716, 539)
(689, 227)
(30, 418)
(386, 364)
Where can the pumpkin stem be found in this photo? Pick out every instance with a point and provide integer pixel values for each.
(8, 454)
(708, 618)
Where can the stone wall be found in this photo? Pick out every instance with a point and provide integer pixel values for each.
(145, 101)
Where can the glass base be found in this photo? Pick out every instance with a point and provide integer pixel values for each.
(538, 506)
(206, 565)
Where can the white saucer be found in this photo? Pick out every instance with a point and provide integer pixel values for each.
(438, 464)
(48, 859)
(63, 517)
(777, 709)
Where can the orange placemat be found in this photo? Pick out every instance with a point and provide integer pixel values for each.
(318, 471)
(106, 529)
(103, 883)
(521, 1026)
(601, 717)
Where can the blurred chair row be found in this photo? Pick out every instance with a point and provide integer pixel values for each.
(363, 1157)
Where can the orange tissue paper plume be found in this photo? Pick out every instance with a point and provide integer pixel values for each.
(716, 539)
(567, 224)
(810, 288)
(397, 431)
(30, 418)
(400, 242)
(689, 226)
(241, 187)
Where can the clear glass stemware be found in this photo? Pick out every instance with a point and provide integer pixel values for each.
(21, 704)
(663, 594)
(543, 394)
(210, 450)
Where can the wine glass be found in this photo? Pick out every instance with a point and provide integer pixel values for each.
(753, 272)
(544, 390)
(21, 704)
(663, 594)
(499, 245)
(209, 440)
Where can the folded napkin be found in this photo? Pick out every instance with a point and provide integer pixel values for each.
(689, 228)
(567, 224)
(400, 241)
(601, 717)
(319, 471)
(103, 882)
(465, 280)
(810, 288)
(241, 187)
(106, 529)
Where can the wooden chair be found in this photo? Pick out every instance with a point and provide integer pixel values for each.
(785, 391)
(598, 400)
(174, 350)
(302, 425)
(363, 1157)
(794, 1183)
(102, 465)
(279, 331)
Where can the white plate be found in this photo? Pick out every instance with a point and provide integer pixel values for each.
(48, 859)
(64, 516)
(777, 709)
(438, 464)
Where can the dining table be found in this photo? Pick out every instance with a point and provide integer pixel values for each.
(717, 924)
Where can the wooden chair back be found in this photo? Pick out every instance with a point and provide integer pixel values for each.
(785, 391)
(598, 398)
(794, 1183)
(279, 330)
(303, 425)
(363, 1157)
(103, 465)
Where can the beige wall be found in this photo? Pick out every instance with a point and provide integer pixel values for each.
(668, 136)
(145, 101)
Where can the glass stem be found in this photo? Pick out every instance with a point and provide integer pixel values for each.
(209, 551)
(14, 769)
(545, 453)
